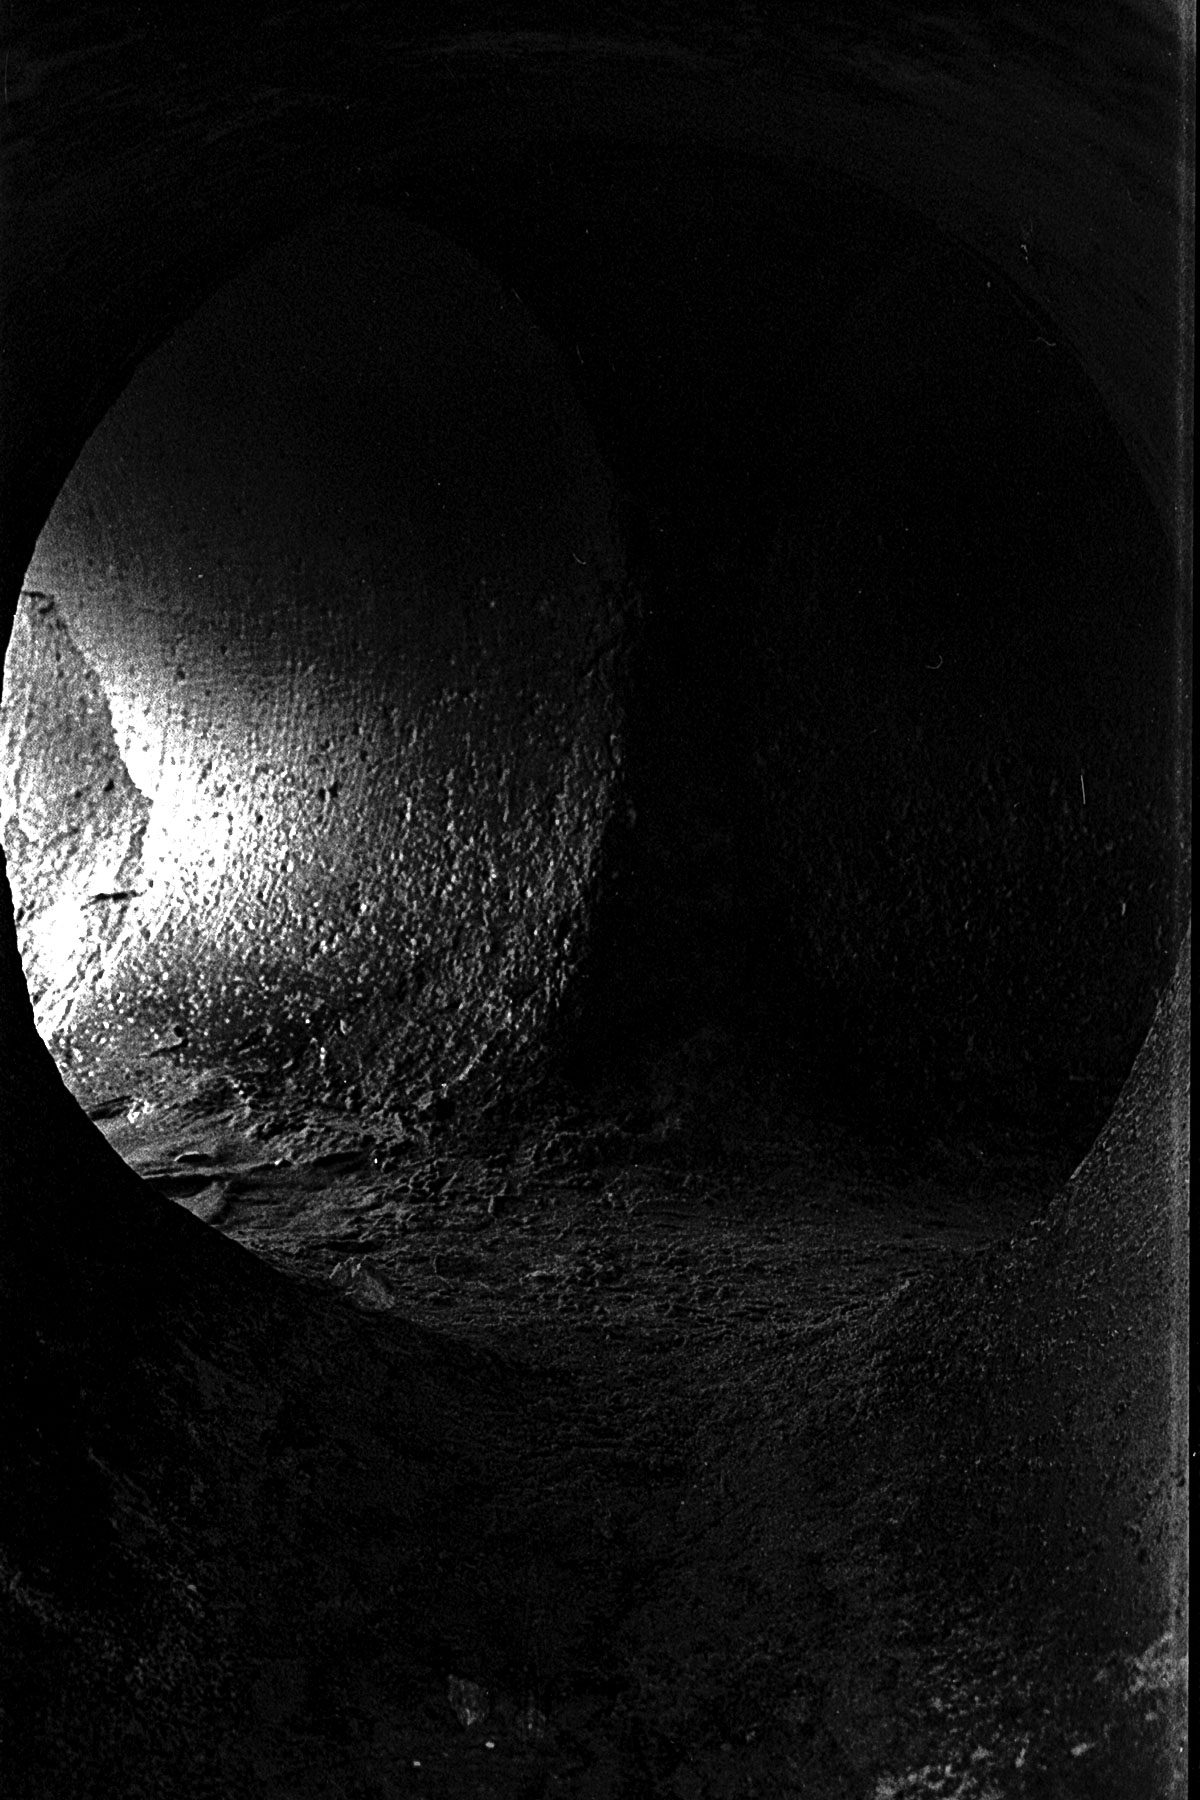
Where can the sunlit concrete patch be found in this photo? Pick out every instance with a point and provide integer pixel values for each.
(73, 821)
(337, 582)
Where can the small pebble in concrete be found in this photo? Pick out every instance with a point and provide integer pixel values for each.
(469, 1701)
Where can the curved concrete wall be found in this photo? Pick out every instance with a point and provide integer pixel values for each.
(341, 565)
(630, 211)
(969, 644)
(313, 731)
(141, 168)
(850, 447)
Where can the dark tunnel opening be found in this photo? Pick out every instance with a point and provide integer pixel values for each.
(363, 735)
(848, 444)
(591, 759)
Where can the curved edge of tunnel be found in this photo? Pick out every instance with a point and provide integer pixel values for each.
(367, 729)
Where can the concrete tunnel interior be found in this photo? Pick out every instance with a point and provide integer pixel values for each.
(590, 779)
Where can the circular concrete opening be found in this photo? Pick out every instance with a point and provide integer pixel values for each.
(338, 751)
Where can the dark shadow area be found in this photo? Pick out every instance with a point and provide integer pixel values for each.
(855, 459)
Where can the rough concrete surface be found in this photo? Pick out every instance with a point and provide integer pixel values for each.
(341, 561)
(594, 970)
